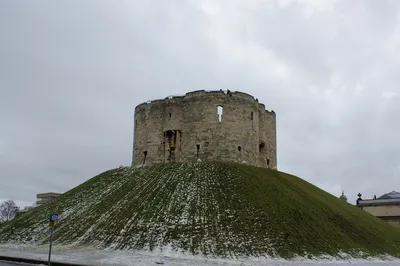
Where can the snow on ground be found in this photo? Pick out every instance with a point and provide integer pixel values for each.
(172, 258)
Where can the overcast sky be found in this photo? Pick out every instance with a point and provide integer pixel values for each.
(71, 73)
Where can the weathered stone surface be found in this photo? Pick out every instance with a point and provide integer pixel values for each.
(187, 128)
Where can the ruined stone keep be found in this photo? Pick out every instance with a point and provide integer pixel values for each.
(205, 125)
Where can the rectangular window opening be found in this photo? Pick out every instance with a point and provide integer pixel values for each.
(219, 112)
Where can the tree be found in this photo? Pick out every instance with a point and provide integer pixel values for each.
(8, 210)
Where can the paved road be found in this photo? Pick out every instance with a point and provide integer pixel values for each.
(11, 264)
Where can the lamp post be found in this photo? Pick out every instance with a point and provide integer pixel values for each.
(52, 219)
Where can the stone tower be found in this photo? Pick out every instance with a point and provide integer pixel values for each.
(205, 125)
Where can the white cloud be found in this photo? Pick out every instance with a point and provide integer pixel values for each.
(389, 94)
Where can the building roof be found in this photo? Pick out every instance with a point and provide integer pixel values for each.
(48, 194)
(22, 210)
(390, 195)
(343, 196)
(379, 202)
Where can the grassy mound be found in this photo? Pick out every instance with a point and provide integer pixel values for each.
(211, 208)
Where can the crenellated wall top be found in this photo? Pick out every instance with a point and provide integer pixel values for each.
(204, 94)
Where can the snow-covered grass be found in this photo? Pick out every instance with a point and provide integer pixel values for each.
(207, 209)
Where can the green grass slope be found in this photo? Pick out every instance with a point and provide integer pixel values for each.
(210, 208)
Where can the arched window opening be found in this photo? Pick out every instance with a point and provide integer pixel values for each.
(239, 148)
(219, 111)
(261, 147)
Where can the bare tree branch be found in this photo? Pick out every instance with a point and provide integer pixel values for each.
(8, 210)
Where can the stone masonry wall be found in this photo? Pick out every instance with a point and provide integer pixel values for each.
(188, 128)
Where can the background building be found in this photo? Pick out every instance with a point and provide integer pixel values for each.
(24, 210)
(386, 207)
(343, 196)
(43, 198)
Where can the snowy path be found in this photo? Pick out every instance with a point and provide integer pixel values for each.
(13, 264)
(108, 257)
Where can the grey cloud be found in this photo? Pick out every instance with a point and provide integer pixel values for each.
(71, 74)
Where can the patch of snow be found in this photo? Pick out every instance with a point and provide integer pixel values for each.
(170, 256)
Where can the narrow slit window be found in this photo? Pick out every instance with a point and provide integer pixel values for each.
(144, 157)
(170, 115)
(219, 112)
(251, 115)
(198, 147)
(267, 161)
(239, 148)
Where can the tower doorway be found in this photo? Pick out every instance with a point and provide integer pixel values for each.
(172, 139)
